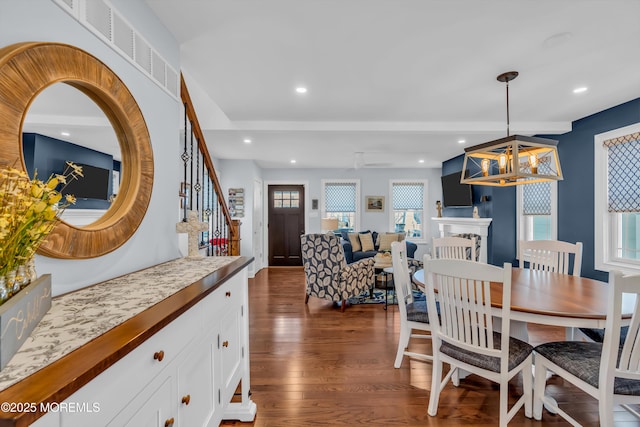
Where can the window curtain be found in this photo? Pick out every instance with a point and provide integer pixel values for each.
(536, 199)
(408, 196)
(340, 197)
(623, 177)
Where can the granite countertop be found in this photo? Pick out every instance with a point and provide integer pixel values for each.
(78, 317)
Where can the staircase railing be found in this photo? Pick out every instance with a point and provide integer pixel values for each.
(201, 190)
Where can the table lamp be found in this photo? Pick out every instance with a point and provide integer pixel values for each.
(329, 224)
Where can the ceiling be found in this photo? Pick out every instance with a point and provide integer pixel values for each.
(393, 82)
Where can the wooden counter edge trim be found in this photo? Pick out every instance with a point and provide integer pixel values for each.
(60, 379)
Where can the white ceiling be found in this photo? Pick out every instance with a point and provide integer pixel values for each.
(396, 80)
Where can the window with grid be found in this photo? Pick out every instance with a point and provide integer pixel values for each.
(340, 200)
(617, 199)
(408, 207)
(537, 211)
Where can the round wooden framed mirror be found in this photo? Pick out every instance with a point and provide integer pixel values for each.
(28, 68)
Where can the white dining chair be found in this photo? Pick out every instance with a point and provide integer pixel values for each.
(551, 255)
(605, 371)
(413, 314)
(554, 256)
(464, 335)
(452, 247)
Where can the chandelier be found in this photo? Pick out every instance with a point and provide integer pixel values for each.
(512, 160)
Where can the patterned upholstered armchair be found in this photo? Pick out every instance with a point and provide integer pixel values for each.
(328, 275)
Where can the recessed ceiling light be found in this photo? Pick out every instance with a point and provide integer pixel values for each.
(421, 161)
(65, 134)
(462, 141)
(247, 141)
(293, 160)
(581, 89)
(301, 89)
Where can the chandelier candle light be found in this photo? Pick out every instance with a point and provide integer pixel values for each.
(512, 160)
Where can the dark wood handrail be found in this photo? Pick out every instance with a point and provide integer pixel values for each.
(234, 225)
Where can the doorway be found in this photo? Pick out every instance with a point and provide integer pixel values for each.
(286, 215)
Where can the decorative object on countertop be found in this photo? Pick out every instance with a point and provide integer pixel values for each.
(29, 211)
(192, 227)
(20, 314)
(439, 208)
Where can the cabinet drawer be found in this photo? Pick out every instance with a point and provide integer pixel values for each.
(114, 388)
(226, 296)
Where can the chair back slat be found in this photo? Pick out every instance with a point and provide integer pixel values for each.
(454, 248)
(551, 255)
(401, 276)
(628, 363)
(464, 290)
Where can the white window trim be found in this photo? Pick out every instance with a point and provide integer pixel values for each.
(602, 233)
(324, 182)
(425, 189)
(520, 224)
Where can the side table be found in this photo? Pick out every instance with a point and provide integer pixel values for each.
(383, 271)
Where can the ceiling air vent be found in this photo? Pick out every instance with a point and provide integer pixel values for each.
(98, 15)
(158, 67)
(143, 53)
(172, 81)
(102, 19)
(123, 36)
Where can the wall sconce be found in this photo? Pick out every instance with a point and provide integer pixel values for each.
(517, 159)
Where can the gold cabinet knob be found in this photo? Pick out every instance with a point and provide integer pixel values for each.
(225, 343)
(186, 399)
(158, 355)
(169, 422)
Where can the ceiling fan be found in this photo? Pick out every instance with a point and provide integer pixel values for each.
(359, 161)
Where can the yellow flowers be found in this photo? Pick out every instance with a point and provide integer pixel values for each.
(29, 210)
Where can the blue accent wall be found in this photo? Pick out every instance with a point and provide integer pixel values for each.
(48, 155)
(575, 192)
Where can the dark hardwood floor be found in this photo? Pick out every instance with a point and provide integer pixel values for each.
(313, 365)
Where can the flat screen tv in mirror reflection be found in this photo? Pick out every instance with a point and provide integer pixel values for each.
(94, 184)
(455, 194)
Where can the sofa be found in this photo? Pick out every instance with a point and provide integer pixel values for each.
(372, 242)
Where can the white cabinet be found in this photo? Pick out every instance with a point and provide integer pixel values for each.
(156, 411)
(184, 375)
(195, 387)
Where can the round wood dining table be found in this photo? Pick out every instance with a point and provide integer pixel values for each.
(553, 298)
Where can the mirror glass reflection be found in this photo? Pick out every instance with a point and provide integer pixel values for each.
(63, 124)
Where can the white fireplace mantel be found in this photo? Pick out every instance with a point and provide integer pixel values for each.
(479, 226)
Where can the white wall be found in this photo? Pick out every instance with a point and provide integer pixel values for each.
(155, 240)
(241, 174)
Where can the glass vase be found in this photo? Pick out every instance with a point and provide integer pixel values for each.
(22, 279)
(4, 294)
(31, 270)
(11, 283)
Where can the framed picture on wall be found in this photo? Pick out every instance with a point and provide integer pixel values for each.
(374, 203)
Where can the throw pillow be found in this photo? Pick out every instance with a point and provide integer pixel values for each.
(355, 242)
(386, 239)
(366, 240)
